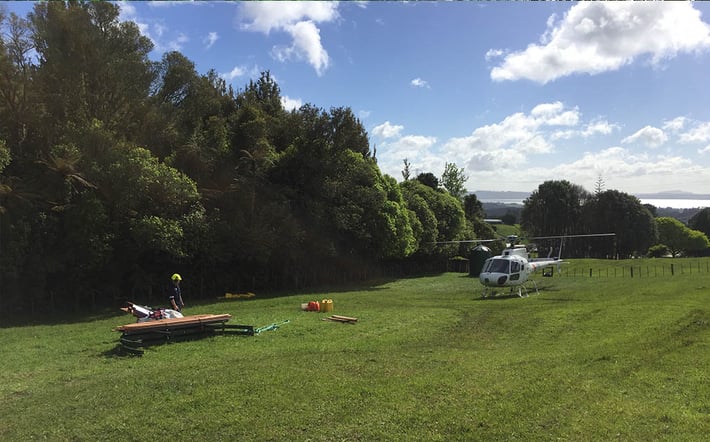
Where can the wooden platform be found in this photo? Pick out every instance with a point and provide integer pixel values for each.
(175, 323)
(143, 334)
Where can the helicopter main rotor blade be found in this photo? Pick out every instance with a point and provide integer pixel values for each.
(589, 235)
(466, 241)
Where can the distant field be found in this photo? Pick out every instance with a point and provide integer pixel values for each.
(589, 358)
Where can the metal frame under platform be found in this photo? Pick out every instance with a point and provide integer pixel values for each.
(143, 334)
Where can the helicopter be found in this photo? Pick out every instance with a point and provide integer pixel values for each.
(514, 266)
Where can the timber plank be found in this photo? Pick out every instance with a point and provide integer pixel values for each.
(163, 324)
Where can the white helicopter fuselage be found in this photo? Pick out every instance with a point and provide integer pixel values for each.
(512, 268)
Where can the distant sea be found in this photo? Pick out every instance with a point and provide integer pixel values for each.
(676, 203)
(661, 203)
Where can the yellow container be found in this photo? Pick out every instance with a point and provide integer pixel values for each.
(326, 305)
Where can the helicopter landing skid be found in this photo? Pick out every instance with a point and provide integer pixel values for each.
(522, 290)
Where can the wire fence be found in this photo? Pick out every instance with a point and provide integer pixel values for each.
(614, 269)
(639, 271)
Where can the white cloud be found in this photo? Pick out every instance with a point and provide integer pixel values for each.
(242, 71)
(364, 114)
(508, 143)
(291, 103)
(165, 3)
(299, 20)
(595, 127)
(595, 37)
(675, 125)
(416, 142)
(598, 126)
(494, 53)
(515, 153)
(238, 71)
(128, 11)
(630, 172)
(418, 82)
(154, 30)
(178, 42)
(210, 40)
(416, 148)
(698, 134)
(306, 44)
(387, 130)
(649, 136)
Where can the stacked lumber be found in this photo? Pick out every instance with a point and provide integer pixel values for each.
(162, 324)
(338, 318)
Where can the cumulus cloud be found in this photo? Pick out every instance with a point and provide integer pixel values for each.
(648, 136)
(210, 40)
(595, 127)
(178, 42)
(552, 114)
(675, 125)
(418, 82)
(515, 152)
(417, 148)
(698, 134)
(291, 103)
(509, 142)
(238, 71)
(155, 30)
(598, 126)
(636, 172)
(595, 37)
(387, 130)
(299, 20)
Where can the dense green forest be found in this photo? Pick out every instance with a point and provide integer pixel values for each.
(117, 171)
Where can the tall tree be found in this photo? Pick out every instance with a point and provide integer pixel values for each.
(405, 172)
(447, 210)
(679, 238)
(555, 208)
(701, 221)
(429, 179)
(106, 60)
(616, 212)
(453, 180)
(15, 80)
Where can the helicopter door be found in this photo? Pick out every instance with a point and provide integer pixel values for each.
(514, 271)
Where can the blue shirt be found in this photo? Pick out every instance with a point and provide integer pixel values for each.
(175, 294)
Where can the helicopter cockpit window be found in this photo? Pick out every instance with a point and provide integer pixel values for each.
(499, 266)
(514, 267)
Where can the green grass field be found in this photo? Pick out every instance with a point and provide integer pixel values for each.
(586, 359)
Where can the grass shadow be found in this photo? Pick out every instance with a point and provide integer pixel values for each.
(60, 318)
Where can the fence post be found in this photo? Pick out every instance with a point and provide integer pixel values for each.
(672, 270)
(590, 272)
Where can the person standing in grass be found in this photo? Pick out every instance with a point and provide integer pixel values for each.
(175, 294)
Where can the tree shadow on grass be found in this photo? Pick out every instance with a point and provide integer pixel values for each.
(35, 319)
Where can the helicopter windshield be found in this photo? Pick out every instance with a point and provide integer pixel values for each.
(498, 266)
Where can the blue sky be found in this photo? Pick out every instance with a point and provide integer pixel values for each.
(514, 93)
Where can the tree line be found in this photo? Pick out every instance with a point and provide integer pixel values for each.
(564, 208)
(117, 171)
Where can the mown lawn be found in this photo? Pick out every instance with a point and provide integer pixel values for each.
(586, 359)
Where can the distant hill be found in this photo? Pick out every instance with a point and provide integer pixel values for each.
(674, 195)
(499, 210)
